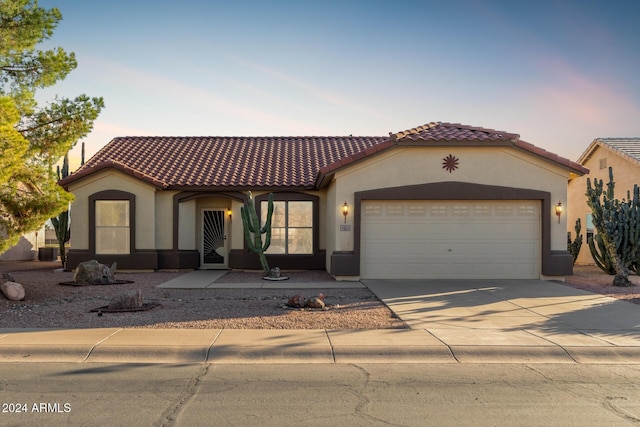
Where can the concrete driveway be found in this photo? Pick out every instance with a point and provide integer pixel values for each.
(516, 315)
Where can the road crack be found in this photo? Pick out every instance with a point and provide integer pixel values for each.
(362, 407)
(171, 415)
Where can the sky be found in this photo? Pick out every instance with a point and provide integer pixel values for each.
(558, 73)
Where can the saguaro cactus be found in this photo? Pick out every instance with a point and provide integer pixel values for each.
(253, 232)
(61, 222)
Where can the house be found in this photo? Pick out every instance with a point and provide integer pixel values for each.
(623, 156)
(440, 200)
(27, 247)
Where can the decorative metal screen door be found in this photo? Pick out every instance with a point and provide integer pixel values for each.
(214, 240)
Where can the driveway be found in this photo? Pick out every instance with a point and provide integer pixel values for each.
(514, 314)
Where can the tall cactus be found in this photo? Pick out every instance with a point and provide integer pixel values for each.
(618, 225)
(574, 247)
(61, 222)
(600, 254)
(253, 232)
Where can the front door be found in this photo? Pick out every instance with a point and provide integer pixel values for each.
(214, 251)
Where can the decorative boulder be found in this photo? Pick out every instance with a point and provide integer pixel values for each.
(12, 291)
(127, 301)
(94, 273)
(296, 301)
(316, 302)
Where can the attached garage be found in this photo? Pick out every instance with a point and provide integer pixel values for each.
(478, 239)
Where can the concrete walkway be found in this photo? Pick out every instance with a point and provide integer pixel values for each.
(208, 279)
(454, 321)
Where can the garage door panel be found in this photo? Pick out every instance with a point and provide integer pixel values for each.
(450, 239)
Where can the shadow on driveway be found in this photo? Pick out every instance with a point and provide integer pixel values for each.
(510, 305)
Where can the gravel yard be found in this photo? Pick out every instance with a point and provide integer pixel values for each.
(50, 305)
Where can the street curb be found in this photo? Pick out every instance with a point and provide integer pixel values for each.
(511, 354)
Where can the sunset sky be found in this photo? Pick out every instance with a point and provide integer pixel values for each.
(559, 73)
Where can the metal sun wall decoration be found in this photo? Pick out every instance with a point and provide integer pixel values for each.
(450, 163)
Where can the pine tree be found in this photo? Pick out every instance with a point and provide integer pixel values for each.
(33, 138)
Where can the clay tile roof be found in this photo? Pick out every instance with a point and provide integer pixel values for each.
(224, 162)
(302, 162)
(439, 131)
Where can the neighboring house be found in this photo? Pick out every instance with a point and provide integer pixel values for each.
(623, 156)
(437, 201)
(27, 247)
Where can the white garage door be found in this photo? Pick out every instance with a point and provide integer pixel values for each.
(450, 239)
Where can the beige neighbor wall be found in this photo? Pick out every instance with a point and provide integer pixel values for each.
(402, 166)
(625, 174)
(113, 180)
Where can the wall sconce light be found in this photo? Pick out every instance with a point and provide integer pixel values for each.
(229, 212)
(559, 210)
(345, 211)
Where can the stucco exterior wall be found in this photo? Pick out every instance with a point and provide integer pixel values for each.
(330, 221)
(164, 219)
(113, 180)
(625, 174)
(187, 225)
(403, 166)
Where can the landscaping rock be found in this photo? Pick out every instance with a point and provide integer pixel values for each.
(316, 302)
(7, 277)
(299, 301)
(94, 273)
(296, 301)
(12, 291)
(127, 301)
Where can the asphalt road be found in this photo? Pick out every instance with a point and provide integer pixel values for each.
(91, 394)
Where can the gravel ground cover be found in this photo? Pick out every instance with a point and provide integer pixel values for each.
(591, 278)
(50, 305)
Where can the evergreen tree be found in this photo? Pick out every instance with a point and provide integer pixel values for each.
(33, 138)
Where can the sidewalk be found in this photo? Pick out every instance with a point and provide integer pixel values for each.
(453, 321)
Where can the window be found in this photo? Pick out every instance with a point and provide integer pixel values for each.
(113, 233)
(291, 227)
